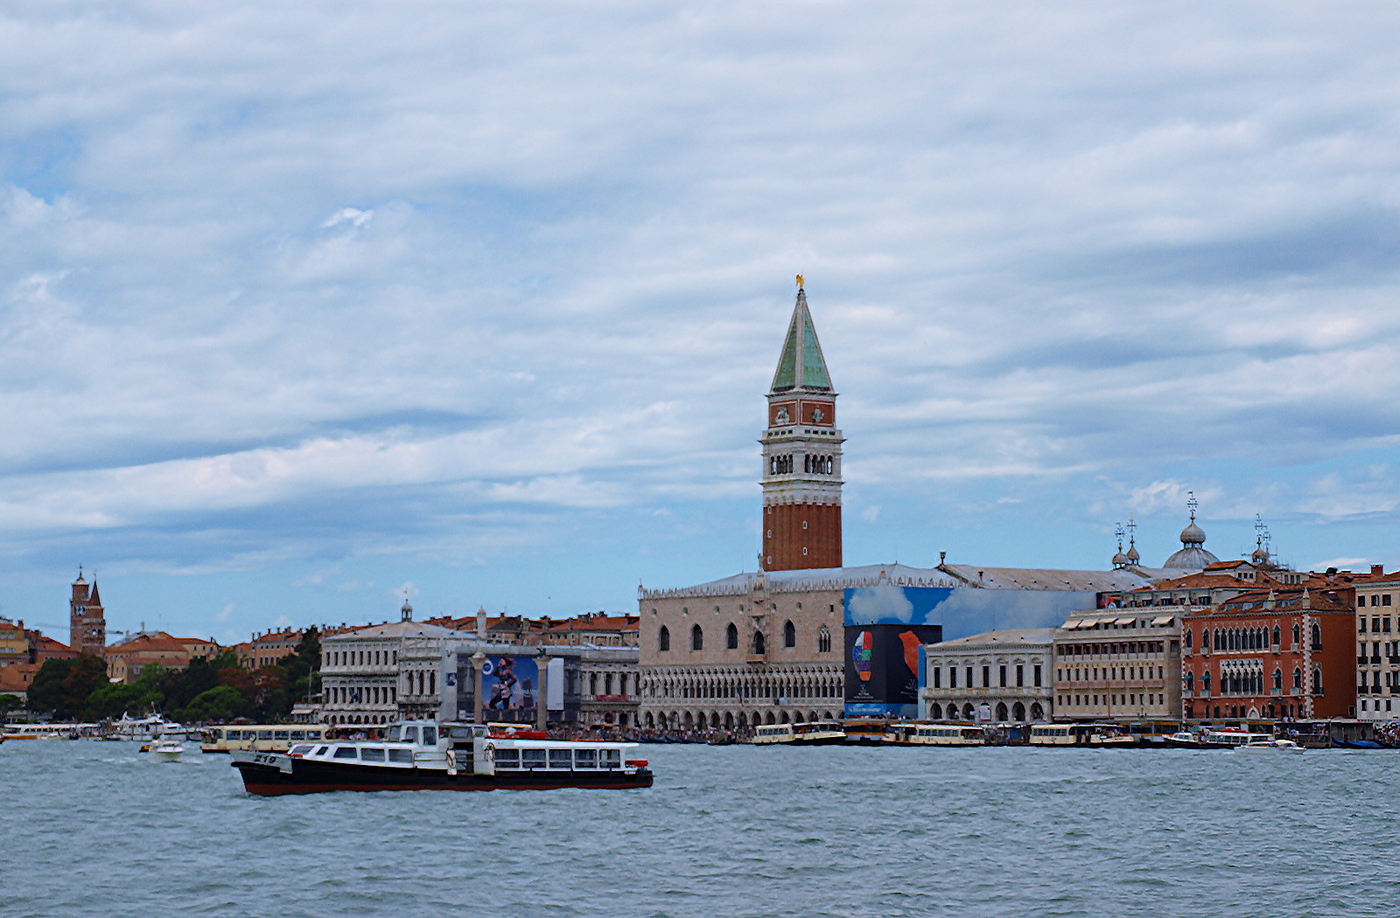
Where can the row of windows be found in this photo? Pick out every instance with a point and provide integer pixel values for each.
(757, 643)
(1091, 673)
(1127, 699)
(1379, 625)
(1377, 599)
(936, 674)
(1392, 648)
(1249, 638)
(811, 465)
(360, 657)
(1016, 713)
(1392, 680)
(742, 690)
(1250, 683)
(1117, 648)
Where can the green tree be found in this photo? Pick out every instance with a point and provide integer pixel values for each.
(10, 703)
(180, 687)
(46, 691)
(115, 699)
(86, 676)
(220, 703)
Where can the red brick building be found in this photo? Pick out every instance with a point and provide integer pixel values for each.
(1281, 653)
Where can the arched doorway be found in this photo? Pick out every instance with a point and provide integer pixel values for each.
(769, 719)
(1018, 712)
(1037, 712)
(969, 713)
(729, 720)
(935, 712)
(1001, 712)
(783, 717)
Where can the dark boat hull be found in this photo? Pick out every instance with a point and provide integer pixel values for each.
(320, 777)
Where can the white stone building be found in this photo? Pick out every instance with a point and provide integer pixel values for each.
(999, 676)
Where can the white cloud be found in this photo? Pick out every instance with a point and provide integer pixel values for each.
(307, 285)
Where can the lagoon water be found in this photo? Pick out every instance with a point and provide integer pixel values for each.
(95, 828)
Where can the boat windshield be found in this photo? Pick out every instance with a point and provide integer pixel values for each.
(430, 736)
(395, 733)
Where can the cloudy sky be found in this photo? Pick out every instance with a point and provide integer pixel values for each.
(306, 305)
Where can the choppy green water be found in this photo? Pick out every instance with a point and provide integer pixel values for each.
(97, 829)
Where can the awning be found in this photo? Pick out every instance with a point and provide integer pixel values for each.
(1074, 624)
(1127, 621)
(1163, 620)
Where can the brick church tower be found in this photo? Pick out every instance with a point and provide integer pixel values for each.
(87, 626)
(801, 455)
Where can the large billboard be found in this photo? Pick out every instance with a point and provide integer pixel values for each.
(509, 687)
(886, 624)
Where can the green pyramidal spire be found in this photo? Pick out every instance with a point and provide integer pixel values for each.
(801, 365)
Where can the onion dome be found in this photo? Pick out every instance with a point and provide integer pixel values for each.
(1120, 559)
(1133, 556)
(1261, 554)
(1193, 555)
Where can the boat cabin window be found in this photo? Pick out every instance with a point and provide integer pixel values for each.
(321, 750)
(344, 752)
(401, 755)
(299, 750)
(395, 733)
(612, 758)
(430, 736)
(532, 758)
(297, 734)
(585, 758)
(280, 735)
(371, 754)
(560, 758)
(410, 734)
(507, 758)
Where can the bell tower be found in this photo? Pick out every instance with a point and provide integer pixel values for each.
(801, 455)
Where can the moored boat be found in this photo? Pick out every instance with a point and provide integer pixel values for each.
(424, 755)
(816, 733)
(1097, 735)
(916, 734)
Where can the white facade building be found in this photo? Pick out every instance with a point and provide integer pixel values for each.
(999, 676)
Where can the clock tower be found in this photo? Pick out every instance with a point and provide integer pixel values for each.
(801, 455)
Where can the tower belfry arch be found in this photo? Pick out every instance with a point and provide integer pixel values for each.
(801, 454)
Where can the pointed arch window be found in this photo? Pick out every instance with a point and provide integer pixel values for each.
(789, 634)
(824, 640)
(663, 639)
(759, 644)
(731, 637)
(697, 638)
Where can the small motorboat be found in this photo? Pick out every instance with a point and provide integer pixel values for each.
(167, 750)
(1273, 745)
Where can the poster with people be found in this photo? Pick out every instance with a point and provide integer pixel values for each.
(509, 683)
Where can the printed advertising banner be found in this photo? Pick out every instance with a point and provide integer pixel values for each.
(509, 688)
(885, 627)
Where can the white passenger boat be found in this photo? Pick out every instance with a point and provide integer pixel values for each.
(1272, 745)
(262, 737)
(1097, 735)
(934, 735)
(423, 755)
(816, 733)
(148, 729)
(1229, 739)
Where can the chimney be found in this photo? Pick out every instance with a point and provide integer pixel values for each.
(481, 622)
(1377, 570)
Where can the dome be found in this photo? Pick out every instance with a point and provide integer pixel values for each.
(1133, 556)
(1193, 534)
(1120, 559)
